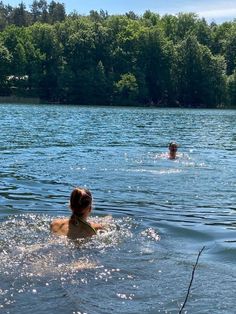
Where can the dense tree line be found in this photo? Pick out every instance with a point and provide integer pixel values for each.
(125, 59)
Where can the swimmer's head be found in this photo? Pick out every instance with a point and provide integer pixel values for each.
(80, 201)
(173, 146)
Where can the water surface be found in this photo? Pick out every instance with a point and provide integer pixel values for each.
(164, 211)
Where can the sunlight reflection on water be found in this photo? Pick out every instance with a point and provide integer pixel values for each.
(163, 210)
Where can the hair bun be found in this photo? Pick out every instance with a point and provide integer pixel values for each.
(80, 199)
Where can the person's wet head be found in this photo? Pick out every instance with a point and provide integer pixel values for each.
(77, 226)
(173, 147)
(81, 202)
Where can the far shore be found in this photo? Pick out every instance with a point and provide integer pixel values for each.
(37, 101)
(19, 100)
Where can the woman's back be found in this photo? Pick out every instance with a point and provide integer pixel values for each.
(73, 229)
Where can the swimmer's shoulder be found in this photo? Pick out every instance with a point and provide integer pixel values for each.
(96, 225)
(103, 224)
(58, 224)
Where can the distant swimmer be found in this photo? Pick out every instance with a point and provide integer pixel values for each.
(173, 147)
(77, 225)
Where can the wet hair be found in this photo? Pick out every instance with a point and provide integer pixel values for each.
(80, 199)
(173, 144)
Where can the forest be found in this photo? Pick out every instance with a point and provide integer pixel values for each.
(129, 59)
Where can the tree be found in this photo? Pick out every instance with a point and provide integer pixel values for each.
(169, 24)
(156, 62)
(203, 33)
(5, 59)
(132, 16)
(150, 18)
(230, 50)
(39, 11)
(19, 16)
(219, 36)
(186, 24)
(101, 95)
(126, 89)
(13, 40)
(231, 85)
(167, 61)
(56, 12)
(46, 43)
(4, 14)
(200, 76)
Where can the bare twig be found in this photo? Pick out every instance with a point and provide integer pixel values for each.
(191, 281)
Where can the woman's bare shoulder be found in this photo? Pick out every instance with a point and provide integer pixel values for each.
(58, 223)
(103, 223)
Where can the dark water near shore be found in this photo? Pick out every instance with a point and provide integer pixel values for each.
(163, 211)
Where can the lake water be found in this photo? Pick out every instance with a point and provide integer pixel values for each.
(164, 211)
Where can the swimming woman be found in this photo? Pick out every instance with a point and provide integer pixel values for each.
(173, 147)
(77, 225)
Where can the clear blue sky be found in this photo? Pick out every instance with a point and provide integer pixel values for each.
(213, 10)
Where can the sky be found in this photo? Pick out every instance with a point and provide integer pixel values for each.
(218, 11)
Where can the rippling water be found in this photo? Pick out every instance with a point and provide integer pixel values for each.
(164, 211)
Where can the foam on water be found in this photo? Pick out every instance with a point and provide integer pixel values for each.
(32, 259)
(163, 210)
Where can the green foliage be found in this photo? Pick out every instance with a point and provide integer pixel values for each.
(230, 50)
(13, 40)
(155, 61)
(5, 59)
(56, 12)
(126, 89)
(107, 59)
(150, 18)
(231, 84)
(201, 75)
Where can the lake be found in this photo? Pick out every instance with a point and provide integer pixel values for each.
(164, 211)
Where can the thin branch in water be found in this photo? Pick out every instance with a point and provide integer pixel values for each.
(191, 281)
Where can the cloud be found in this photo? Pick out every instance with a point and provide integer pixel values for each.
(218, 13)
